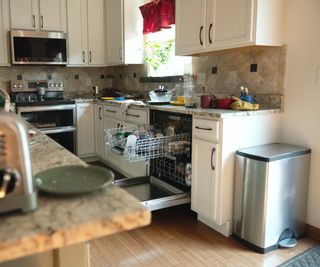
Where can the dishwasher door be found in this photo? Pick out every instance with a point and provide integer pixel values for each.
(169, 183)
(153, 192)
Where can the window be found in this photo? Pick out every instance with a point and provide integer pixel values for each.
(160, 55)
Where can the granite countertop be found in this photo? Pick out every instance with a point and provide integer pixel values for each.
(205, 112)
(62, 220)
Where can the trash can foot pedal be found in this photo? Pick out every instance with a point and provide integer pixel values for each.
(288, 243)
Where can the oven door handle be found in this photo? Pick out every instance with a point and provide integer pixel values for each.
(56, 130)
(45, 108)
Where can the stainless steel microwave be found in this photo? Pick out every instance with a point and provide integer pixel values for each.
(38, 48)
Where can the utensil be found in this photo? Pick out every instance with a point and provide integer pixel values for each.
(73, 179)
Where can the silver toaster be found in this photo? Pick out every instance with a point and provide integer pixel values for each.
(17, 190)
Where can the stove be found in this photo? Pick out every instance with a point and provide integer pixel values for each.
(38, 93)
(41, 103)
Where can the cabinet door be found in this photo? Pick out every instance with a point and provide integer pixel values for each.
(85, 129)
(24, 14)
(96, 32)
(204, 180)
(98, 131)
(190, 26)
(114, 22)
(77, 32)
(230, 23)
(110, 156)
(53, 15)
(4, 28)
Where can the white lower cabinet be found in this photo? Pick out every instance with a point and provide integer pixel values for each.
(204, 187)
(98, 131)
(214, 143)
(85, 130)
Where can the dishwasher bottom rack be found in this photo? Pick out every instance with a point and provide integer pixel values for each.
(138, 143)
(153, 192)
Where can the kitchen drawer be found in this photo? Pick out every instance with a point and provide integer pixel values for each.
(205, 129)
(137, 116)
(111, 111)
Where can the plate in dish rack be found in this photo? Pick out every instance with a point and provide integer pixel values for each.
(73, 179)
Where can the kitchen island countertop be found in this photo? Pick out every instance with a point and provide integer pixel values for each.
(61, 220)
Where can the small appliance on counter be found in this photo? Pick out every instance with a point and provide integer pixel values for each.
(160, 96)
(17, 191)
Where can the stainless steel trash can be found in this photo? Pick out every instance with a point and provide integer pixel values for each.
(270, 196)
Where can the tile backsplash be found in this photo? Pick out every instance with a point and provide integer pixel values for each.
(261, 69)
(78, 82)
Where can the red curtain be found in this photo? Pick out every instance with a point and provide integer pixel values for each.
(158, 15)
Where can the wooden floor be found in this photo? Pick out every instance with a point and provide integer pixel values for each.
(176, 238)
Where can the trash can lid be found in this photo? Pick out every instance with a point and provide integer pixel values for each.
(272, 152)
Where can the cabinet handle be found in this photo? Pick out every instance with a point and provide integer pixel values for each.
(200, 35)
(90, 56)
(111, 111)
(206, 129)
(209, 33)
(100, 113)
(41, 17)
(34, 21)
(213, 150)
(133, 115)
(83, 56)
(120, 53)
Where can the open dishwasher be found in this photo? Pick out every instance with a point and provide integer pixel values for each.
(166, 145)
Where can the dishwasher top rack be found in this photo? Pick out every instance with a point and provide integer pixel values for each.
(138, 143)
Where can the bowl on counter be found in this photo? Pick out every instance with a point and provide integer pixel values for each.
(160, 96)
(224, 103)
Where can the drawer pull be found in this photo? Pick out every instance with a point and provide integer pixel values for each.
(213, 150)
(111, 111)
(100, 113)
(133, 115)
(201, 128)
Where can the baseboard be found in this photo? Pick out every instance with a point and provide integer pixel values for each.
(312, 231)
(224, 229)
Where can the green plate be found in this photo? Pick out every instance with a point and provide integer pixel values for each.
(73, 179)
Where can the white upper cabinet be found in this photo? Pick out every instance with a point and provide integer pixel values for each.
(46, 15)
(86, 32)
(96, 32)
(221, 24)
(4, 28)
(124, 32)
(53, 15)
(190, 23)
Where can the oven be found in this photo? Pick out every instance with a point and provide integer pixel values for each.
(56, 121)
(41, 103)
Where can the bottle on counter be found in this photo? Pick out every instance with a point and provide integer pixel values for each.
(189, 91)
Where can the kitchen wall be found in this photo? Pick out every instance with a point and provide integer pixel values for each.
(77, 81)
(302, 90)
(225, 72)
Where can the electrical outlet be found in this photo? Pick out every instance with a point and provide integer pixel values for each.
(88, 82)
(201, 79)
